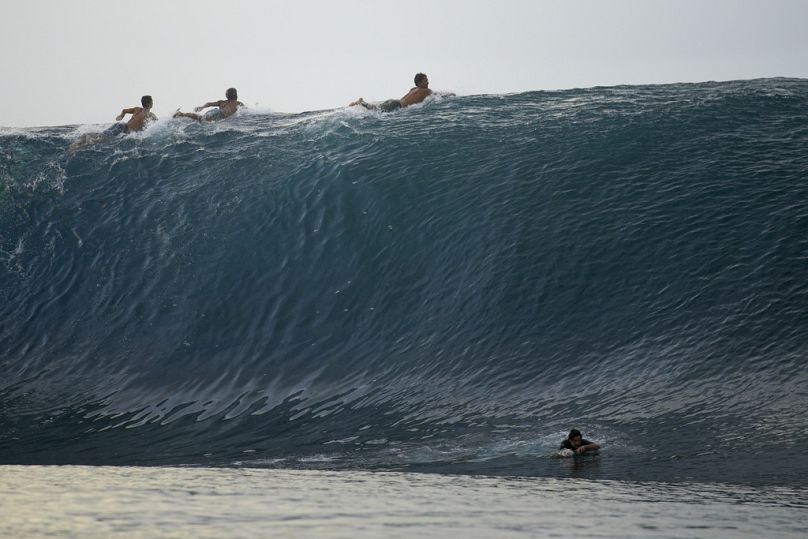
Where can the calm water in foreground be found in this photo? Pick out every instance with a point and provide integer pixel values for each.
(89, 502)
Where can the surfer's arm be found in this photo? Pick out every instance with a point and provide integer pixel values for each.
(588, 447)
(206, 105)
(124, 112)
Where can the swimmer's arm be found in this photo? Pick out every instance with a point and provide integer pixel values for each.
(209, 104)
(588, 447)
(124, 112)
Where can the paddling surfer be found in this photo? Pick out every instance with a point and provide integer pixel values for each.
(417, 94)
(576, 443)
(224, 108)
(141, 117)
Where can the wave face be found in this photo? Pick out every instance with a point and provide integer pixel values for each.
(447, 288)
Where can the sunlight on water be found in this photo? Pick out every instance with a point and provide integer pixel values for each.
(104, 502)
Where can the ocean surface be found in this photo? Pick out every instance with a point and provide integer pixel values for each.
(103, 502)
(445, 289)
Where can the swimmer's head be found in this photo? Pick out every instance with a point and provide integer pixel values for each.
(231, 94)
(421, 79)
(146, 101)
(575, 438)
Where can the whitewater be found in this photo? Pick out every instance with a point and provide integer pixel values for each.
(445, 289)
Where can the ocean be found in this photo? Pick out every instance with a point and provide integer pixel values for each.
(437, 294)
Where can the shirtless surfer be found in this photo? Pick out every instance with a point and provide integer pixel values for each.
(417, 94)
(141, 117)
(225, 108)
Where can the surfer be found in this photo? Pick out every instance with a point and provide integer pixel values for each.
(576, 443)
(141, 117)
(417, 94)
(224, 108)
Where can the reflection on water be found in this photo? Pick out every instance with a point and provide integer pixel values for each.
(103, 502)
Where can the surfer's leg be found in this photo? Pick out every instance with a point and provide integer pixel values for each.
(360, 101)
(190, 115)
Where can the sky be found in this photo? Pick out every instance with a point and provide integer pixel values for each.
(82, 61)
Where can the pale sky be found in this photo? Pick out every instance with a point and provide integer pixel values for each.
(82, 61)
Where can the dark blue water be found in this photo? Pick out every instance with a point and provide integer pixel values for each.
(447, 288)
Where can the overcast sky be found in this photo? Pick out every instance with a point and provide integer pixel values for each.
(82, 61)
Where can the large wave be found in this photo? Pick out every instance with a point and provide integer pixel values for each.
(448, 287)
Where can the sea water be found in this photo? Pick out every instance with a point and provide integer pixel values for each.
(86, 502)
(436, 295)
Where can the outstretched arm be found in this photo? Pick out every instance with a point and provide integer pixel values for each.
(206, 105)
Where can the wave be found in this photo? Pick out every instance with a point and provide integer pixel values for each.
(448, 287)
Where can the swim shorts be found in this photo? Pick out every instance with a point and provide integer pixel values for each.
(214, 114)
(390, 105)
(387, 106)
(116, 129)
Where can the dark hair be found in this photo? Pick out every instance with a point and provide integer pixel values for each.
(419, 77)
(574, 433)
(146, 101)
(231, 94)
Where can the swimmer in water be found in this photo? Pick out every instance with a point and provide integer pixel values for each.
(141, 117)
(224, 108)
(417, 94)
(576, 443)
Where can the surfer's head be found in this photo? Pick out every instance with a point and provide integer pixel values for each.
(421, 80)
(146, 101)
(231, 94)
(576, 438)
